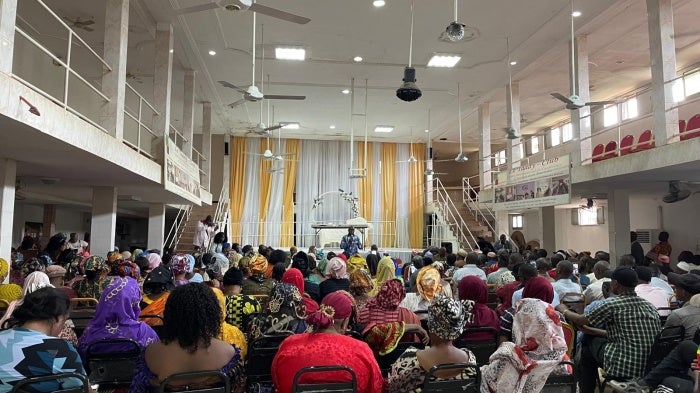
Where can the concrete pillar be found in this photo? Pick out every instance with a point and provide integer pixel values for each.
(8, 16)
(618, 224)
(514, 146)
(156, 225)
(206, 145)
(104, 220)
(8, 175)
(188, 114)
(485, 146)
(549, 229)
(581, 118)
(502, 223)
(662, 50)
(49, 224)
(163, 78)
(114, 82)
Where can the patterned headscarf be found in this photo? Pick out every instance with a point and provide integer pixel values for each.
(446, 318)
(336, 268)
(386, 270)
(179, 264)
(285, 315)
(336, 305)
(32, 265)
(428, 283)
(32, 282)
(127, 269)
(93, 263)
(356, 262)
(360, 283)
(286, 300)
(258, 266)
(114, 258)
(389, 296)
(4, 269)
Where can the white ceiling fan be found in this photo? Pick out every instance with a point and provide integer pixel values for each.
(243, 5)
(511, 131)
(268, 154)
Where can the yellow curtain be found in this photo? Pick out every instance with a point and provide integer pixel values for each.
(290, 180)
(389, 194)
(416, 197)
(265, 181)
(365, 186)
(236, 189)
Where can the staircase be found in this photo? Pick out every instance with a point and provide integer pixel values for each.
(474, 221)
(188, 229)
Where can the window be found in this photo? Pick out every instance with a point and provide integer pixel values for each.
(555, 136)
(567, 132)
(535, 145)
(516, 221)
(587, 217)
(678, 91)
(629, 109)
(610, 116)
(692, 84)
(500, 157)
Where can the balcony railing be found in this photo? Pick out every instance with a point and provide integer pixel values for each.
(138, 123)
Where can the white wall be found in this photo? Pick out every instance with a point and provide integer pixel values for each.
(580, 237)
(67, 220)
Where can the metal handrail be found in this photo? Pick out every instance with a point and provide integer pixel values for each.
(138, 118)
(474, 205)
(448, 207)
(174, 234)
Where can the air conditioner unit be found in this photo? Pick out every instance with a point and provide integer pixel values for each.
(648, 236)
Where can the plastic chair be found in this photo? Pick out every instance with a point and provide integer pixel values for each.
(626, 145)
(598, 151)
(667, 339)
(260, 355)
(198, 381)
(328, 386)
(692, 130)
(645, 141)
(557, 382)
(25, 384)
(82, 311)
(113, 368)
(482, 349)
(610, 150)
(570, 337)
(471, 383)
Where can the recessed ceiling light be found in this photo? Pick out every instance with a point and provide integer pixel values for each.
(346, 91)
(290, 53)
(332, 127)
(513, 62)
(427, 130)
(290, 126)
(357, 59)
(212, 53)
(172, 50)
(576, 14)
(379, 3)
(444, 60)
(383, 128)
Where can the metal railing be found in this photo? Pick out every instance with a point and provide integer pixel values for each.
(177, 137)
(475, 206)
(138, 123)
(172, 239)
(447, 210)
(68, 94)
(199, 159)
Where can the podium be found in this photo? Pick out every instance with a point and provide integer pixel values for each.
(337, 231)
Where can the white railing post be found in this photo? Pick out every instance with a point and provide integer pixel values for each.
(67, 74)
(116, 37)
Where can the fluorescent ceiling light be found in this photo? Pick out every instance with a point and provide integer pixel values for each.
(332, 127)
(576, 14)
(346, 91)
(212, 53)
(444, 60)
(379, 3)
(513, 62)
(290, 53)
(427, 130)
(357, 59)
(383, 128)
(172, 50)
(290, 126)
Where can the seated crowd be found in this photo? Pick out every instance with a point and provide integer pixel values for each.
(212, 311)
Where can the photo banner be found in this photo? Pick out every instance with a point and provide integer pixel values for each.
(181, 173)
(546, 183)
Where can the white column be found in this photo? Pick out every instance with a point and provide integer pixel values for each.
(549, 233)
(104, 220)
(206, 145)
(188, 114)
(114, 82)
(8, 16)
(618, 224)
(8, 176)
(485, 146)
(156, 225)
(514, 147)
(163, 78)
(662, 50)
(581, 118)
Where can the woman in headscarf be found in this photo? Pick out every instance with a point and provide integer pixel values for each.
(156, 289)
(8, 292)
(154, 261)
(429, 286)
(293, 276)
(257, 283)
(32, 265)
(386, 270)
(327, 345)
(356, 262)
(180, 266)
(537, 349)
(239, 307)
(445, 320)
(337, 278)
(95, 270)
(472, 288)
(117, 316)
(535, 288)
(384, 307)
(229, 333)
(361, 285)
(285, 314)
(301, 261)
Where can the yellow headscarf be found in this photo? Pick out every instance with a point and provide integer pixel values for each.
(4, 269)
(258, 265)
(385, 271)
(428, 283)
(356, 262)
(229, 333)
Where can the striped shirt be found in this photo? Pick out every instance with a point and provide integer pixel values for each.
(632, 324)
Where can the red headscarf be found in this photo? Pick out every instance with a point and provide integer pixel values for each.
(336, 305)
(294, 277)
(539, 288)
(475, 289)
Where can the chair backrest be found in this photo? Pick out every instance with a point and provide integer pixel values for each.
(56, 380)
(667, 339)
(570, 337)
(198, 382)
(610, 147)
(469, 380)
(82, 312)
(575, 301)
(330, 386)
(598, 150)
(558, 383)
(645, 136)
(482, 349)
(626, 144)
(261, 352)
(112, 361)
(693, 123)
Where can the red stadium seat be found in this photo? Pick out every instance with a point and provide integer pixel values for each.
(610, 150)
(626, 145)
(645, 141)
(598, 151)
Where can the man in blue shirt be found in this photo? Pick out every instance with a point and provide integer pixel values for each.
(350, 243)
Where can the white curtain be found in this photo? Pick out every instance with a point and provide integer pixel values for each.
(274, 209)
(307, 190)
(250, 219)
(402, 205)
(377, 203)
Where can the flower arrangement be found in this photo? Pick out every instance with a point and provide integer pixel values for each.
(347, 196)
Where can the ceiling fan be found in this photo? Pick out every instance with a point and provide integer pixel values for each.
(411, 159)
(575, 102)
(80, 24)
(242, 5)
(676, 193)
(511, 132)
(430, 172)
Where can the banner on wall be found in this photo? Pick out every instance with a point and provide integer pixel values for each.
(546, 183)
(181, 173)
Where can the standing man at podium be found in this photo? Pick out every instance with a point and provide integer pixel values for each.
(350, 243)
